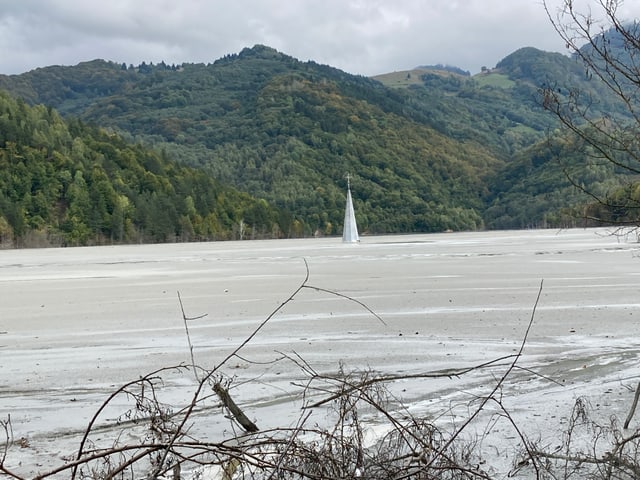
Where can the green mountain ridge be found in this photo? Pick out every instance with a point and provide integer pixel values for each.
(432, 153)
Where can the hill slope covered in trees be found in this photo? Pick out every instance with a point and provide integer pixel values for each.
(438, 152)
(69, 184)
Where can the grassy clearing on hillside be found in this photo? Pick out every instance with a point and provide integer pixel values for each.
(402, 79)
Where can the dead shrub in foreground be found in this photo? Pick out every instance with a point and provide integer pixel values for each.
(589, 450)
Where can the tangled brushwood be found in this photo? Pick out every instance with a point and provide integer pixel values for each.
(140, 431)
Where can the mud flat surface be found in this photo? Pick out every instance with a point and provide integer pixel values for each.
(77, 323)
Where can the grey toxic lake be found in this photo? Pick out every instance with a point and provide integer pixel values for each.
(78, 322)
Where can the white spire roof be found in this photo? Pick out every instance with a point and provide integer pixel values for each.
(350, 229)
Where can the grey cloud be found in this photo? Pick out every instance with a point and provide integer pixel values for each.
(359, 36)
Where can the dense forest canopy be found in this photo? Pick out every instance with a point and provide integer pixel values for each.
(65, 183)
(431, 149)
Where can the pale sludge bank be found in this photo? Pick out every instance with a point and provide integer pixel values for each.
(76, 324)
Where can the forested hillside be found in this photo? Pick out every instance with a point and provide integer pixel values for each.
(428, 150)
(64, 183)
(287, 131)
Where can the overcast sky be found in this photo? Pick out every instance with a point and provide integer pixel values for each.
(365, 37)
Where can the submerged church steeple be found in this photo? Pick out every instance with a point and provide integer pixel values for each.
(350, 229)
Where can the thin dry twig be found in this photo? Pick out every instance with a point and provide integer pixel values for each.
(501, 380)
(186, 329)
(338, 294)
